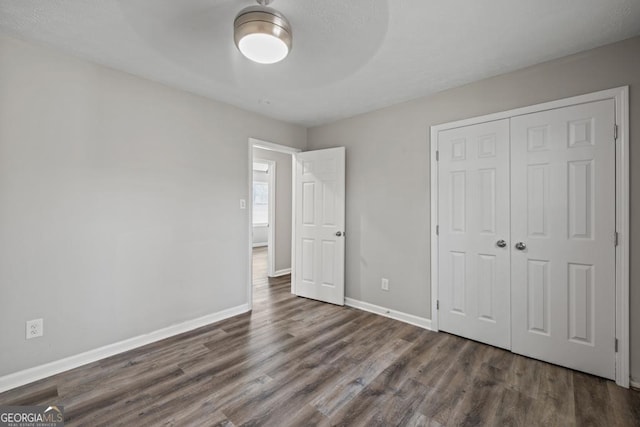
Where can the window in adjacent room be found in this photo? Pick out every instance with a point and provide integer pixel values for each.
(260, 195)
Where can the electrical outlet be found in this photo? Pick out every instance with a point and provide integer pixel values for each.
(243, 204)
(35, 328)
(385, 284)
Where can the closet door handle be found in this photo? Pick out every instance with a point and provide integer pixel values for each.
(501, 243)
(521, 246)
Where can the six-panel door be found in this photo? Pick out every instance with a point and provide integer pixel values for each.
(319, 224)
(473, 180)
(563, 213)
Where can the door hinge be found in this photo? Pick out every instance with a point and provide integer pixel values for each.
(437, 155)
(616, 345)
(615, 238)
(437, 304)
(437, 230)
(615, 132)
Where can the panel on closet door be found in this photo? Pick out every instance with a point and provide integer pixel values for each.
(473, 177)
(580, 132)
(538, 296)
(458, 201)
(581, 303)
(459, 149)
(487, 200)
(458, 282)
(487, 145)
(581, 199)
(538, 200)
(538, 138)
(563, 214)
(486, 286)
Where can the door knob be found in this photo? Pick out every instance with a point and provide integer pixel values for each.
(501, 243)
(338, 233)
(521, 246)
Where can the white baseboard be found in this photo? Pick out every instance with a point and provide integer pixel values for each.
(281, 272)
(634, 384)
(387, 312)
(30, 375)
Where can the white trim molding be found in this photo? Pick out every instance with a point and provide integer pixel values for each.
(434, 227)
(621, 98)
(282, 272)
(265, 145)
(421, 322)
(30, 375)
(634, 384)
(620, 95)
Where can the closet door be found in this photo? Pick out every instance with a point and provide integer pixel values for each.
(473, 179)
(563, 223)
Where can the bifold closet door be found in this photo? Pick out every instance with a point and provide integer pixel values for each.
(473, 180)
(562, 239)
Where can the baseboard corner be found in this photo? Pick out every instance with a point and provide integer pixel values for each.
(421, 322)
(282, 272)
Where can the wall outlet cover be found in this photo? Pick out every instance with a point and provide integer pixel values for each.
(35, 328)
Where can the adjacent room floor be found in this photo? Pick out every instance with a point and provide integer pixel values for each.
(294, 361)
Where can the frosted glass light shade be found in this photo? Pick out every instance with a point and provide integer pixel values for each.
(262, 34)
(263, 48)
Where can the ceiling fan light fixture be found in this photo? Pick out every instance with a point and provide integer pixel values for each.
(262, 34)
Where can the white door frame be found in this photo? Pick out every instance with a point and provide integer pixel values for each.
(265, 145)
(271, 213)
(620, 95)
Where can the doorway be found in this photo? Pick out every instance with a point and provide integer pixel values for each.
(308, 228)
(263, 209)
(270, 214)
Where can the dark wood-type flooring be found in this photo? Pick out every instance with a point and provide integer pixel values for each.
(294, 361)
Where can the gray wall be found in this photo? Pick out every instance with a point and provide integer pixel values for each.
(119, 204)
(388, 171)
(283, 205)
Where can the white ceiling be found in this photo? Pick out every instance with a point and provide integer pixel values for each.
(348, 57)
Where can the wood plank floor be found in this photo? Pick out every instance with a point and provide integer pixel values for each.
(299, 362)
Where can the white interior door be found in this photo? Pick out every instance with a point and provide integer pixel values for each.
(319, 225)
(563, 214)
(473, 179)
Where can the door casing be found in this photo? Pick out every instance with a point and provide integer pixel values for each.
(620, 96)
